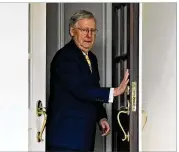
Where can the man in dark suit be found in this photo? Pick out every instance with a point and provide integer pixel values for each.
(76, 98)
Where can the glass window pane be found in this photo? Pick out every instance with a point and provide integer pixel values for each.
(125, 29)
(119, 33)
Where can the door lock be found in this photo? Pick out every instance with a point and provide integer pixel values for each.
(134, 96)
(40, 110)
(128, 90)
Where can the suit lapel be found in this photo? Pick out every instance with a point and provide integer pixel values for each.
(81, 57)
(92, 75)
(92, 63)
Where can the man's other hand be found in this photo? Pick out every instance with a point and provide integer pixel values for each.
(105, 127)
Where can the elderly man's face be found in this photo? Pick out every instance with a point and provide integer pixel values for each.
(84, 33)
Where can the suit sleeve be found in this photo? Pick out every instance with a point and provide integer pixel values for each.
(101, 112)
(69, 76)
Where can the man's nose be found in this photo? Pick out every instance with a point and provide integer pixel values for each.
(89, 34)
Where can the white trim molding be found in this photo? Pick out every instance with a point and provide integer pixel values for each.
(108, 66)
(61, 25)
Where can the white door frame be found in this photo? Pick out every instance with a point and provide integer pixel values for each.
(37, 60)
(37, 67)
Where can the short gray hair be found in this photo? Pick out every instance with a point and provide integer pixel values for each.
(80, 15)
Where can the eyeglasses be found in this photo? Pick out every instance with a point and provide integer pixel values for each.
(86, 31)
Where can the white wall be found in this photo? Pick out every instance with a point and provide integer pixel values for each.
(159, 76)
(14, 77)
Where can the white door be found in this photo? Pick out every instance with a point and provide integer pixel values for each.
(37, 72)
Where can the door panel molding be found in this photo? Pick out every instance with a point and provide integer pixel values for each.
(61, 25)
(108, 67)
(104, 35)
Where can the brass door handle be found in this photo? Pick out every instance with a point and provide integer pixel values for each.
(41, 111)
(126, 135)
(125, 111)
(144, 121)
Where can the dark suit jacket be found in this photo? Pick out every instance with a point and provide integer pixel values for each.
(76, 98)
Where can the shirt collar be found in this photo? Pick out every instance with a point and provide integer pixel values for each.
(84, 53)
(72, 42)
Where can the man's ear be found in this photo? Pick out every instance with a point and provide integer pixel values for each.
(72, 31)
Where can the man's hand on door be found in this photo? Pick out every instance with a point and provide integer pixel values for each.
(122, 87)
